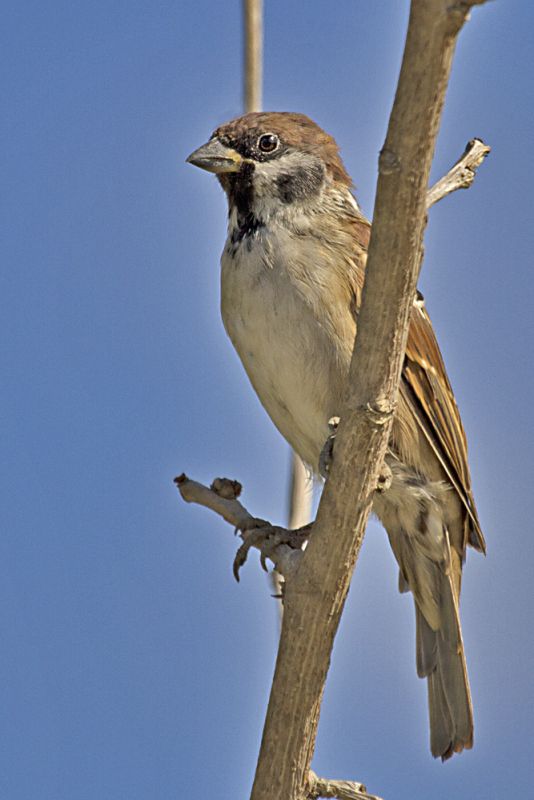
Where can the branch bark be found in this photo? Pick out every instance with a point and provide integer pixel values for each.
(316, 595)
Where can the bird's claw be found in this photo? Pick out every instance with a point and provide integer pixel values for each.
(266, 538)
(384, 478)
(327, 453)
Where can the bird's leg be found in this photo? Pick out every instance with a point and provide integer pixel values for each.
(327, 453)
(266, 538)
(385, 476)
(327, 456)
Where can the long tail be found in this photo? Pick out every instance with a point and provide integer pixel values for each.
(441, 660)
(412, 513)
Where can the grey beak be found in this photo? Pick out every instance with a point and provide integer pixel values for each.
(216, 157)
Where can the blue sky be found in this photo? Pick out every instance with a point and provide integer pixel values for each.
(132, 665)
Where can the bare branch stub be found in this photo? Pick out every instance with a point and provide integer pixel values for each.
(338, 790)
(462, 174)
(227, 507)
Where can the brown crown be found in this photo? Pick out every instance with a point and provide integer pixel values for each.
(295, 130)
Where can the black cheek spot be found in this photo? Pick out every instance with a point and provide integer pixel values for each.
(300, 183)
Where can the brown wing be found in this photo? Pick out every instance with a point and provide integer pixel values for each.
(427, 389)
(428, 393)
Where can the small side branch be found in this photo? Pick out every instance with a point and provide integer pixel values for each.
(341, 790)
(220, 497)
(462, 174)
(281, 546)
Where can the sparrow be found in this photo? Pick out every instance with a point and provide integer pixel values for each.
(292, 272)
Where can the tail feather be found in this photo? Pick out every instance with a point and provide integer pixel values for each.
(426, 646)
(413, 514)
(442, 662)
(441, 723)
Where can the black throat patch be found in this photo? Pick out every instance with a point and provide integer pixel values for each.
(241, 197)
(241, 190)
(246, 228)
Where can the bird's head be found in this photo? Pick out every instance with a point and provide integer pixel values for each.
(269, 161)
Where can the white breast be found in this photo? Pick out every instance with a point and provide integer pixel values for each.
(287, 355)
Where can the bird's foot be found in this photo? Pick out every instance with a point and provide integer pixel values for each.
(327, 453)
(385, 476)
(327, 456)
(266, 538)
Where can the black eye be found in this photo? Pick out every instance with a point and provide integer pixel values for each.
(268, 142)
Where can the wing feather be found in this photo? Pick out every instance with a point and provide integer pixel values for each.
(426, 386)
(427, 391)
